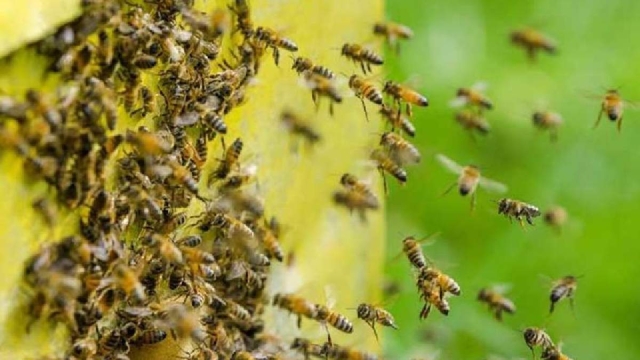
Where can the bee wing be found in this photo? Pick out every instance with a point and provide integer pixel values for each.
(449, 164)
(480, 86)
(501, 288)
(458, 101)
(404, 156)
(330, 296)
(492, 185)
(236, 270)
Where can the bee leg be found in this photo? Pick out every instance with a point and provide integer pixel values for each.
(408, 110)
(553, 304)
(364, 106)
(620, 123)
(384, 181)
(449, 189)
(554, 135)
(328, 334)
(499, 315)
(299, 322)
(473, 201)
(276, 55)
(331, 107)
(599, 118)
(373, 326)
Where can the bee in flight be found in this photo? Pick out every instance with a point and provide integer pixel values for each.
(365, 89)
(359, 54)
(613, 105)
(397, 120)
(373, 315)
(386, 164)
(412, 248)
(533, 41)
(469, 177)
(474, 97)
(518, 210)
(400, 150)
(498, 303)
(392, 32)
(536, 337)
(556, 217)
(553, 353)
(275, 41)
(472, 121)
(400, 93)
(302, 64)
(549, 121)
(562, 288)
(322, 86)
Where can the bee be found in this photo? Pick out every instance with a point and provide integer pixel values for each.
(296, 305)
(327, 316)
(613, 105)
(184, 323)
(151, 336)
(401, 93)
(469, 177)
(42, 108)
(126, 279)
(412, 248)
(105, 49)
(358, 54)
(365, 89)
(336, 352)
(556, 216)
(104, 94)
(46, 209)
(392, 32)
(242, 355)
(148, 101)
(165, 248)
(84, 349)
(564, 287)
(267, 233)
(176, 278)
(230, 160)
(354, 200)
(190, 241)
(302, 64)
(275, 41)
(133, 81)
(397, 120)
(431, 295)
(219, 23)
(553, 353)
(352, 183)
(472, 121)
(442, 281)
(297, 126)
(518, 210)
(148, 143)
(152, 274)
(238, 180)
(243, 17)
(230, 227)
(384, 164)
(373, 315)
(473, 96)
(533, 41)
(497, 302)
(307, 348)
(321, 86)
(401, 151)
(548, 120)
(536, 337)
(184, 177)
(144, 61)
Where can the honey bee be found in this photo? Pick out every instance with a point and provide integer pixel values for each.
(556, 216)
(184, 323)
(307, 348)
(148, 101)
(472, 121)
(176, 278)
(243, 17)
(144, 61)
(190, 241)
(148, 143)
(613, 105)
(297, 126)
(497, 302)
(296, 305)
(430, 294)
(386, 164)
(392, 32)
(336, 352)
(230, 160)
(548, 120)
(302, 64)
(41, 107)
(352, 183)
(46, 209)
(553, 353)
(361, 55)
(326, 316)
(518, 210)
(151, 336)
(562, 288)
(401, 151)
(400, 93)
(354, 200)
(267, 233)
(321, 86)
(473, 96)
(364, 89)
(220, 22)
(183, 176)
(440, 280)
(412, 248)
(84, 349)
(469, 177)
(275, 41)
(242, 355)
(536, 337)
(533, 41)
(373, 315)
(397, 120)
(127, 280)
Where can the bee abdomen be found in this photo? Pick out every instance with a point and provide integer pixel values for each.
(342, 323)
(372, 57)
(417, 259)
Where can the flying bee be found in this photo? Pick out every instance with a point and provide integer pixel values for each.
(556, 217)
(361, 55)
(536, 337)
(562, 288)
(267, 234)
(472, 121)
(307, 348)
(46, 209)
(442, 281)
(518, 210)
(183, 176)
(184, 323)
(548, 120)
(354, 200)
(144, 61)
(302, 64)
(473, 96)
(230, 160)
(412, 248)
(321, 86)
(392, 32)
(127, 280)
(400, 93)
(242, 12)
(148, 101)
(165, 248)
(397, 120)
(336, 352)
(299, 127)
(364, 89)
(373, 315)
(386, 164)
(148, 143)
(275, 41)
(325, 315)
(553, 353)
(430, 294)
(246, 176)
(219, 22)
(401, 151)
(41, 107)
(296, 305)
(533, 41)
(469, 177)
(613, 105)
(84, 349)
(497, 302)
(352, 183)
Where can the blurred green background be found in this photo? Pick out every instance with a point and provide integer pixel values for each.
(594, 174)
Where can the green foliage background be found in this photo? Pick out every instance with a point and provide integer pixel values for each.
(592, 173)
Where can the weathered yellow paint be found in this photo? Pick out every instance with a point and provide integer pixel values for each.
(331, 247)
